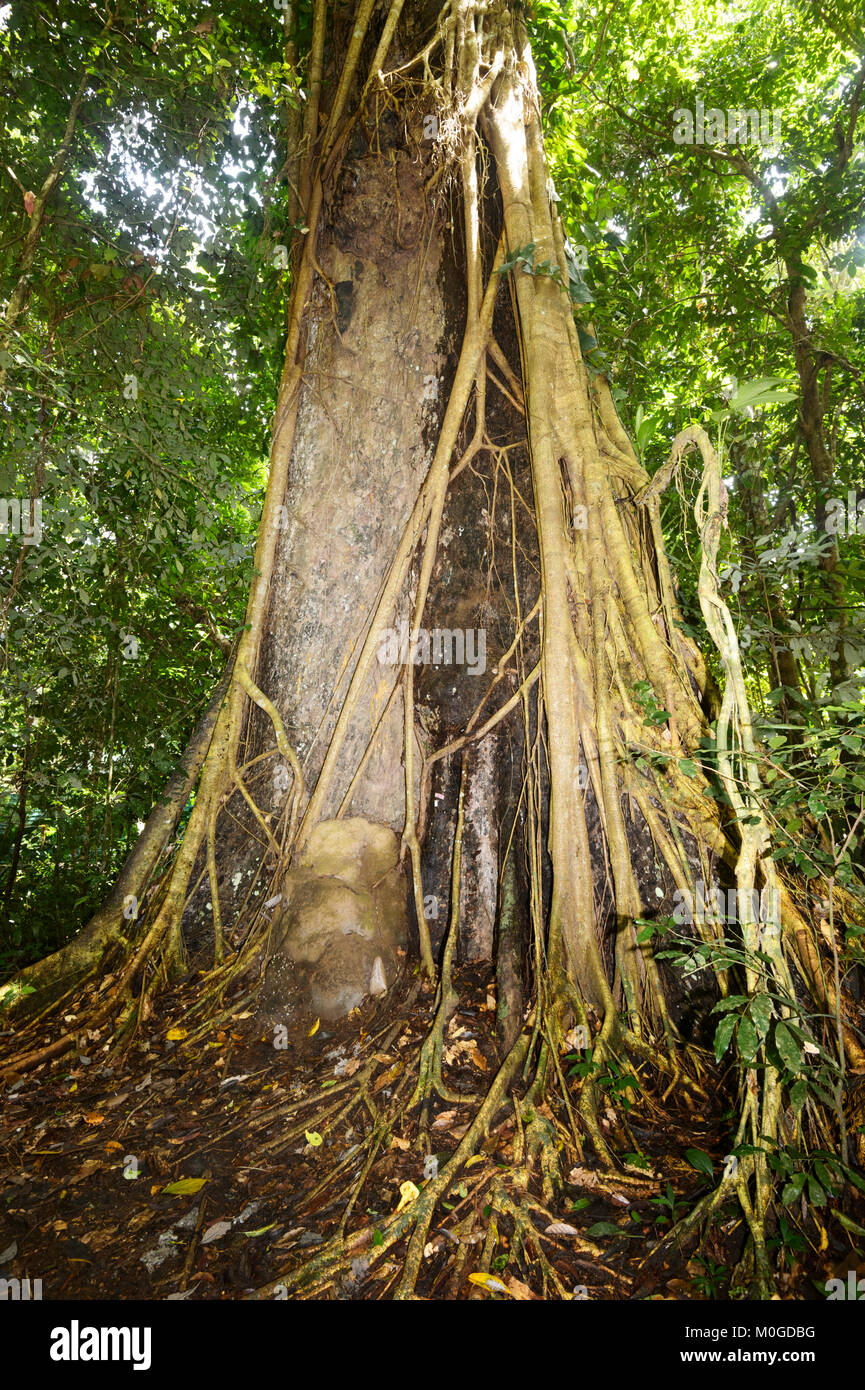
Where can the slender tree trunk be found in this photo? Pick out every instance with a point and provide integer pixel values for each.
(23, 788)
(782, 663)
(822, 463)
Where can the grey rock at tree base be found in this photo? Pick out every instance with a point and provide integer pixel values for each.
(344, 921)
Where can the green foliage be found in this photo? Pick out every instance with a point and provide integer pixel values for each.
(693, 253)
(616, 1081)
(711, 1282)
(701, 1161)
(139, 382)
(523, 259)
(669, 1206)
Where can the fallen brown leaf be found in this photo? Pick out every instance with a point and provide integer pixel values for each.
(517, 1289)
(443, 1120)
(139, 1219)
(92, 1165)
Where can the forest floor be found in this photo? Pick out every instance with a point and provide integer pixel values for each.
(266, 1146)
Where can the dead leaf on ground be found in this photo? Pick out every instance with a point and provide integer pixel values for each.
(682, 1289)
(388, 1077)
(585, 1177)
(113, 1101)
(216, 1232)
(139, 1219)
(407, 1194)
(443, 1120)
(517, 1289)
(92, 1165)
(478, 1058)
(99, 1239)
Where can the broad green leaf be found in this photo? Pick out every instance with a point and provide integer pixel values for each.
(788, 1048)
(746, 1038)
(701, 1161)
(723, 1034)
(760, 1009)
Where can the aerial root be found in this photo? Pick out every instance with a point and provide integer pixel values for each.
(697, 1218)
(754, 1268)
(541, 1142)
(587, 1106)
(526, 1239)
(430, 1073)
